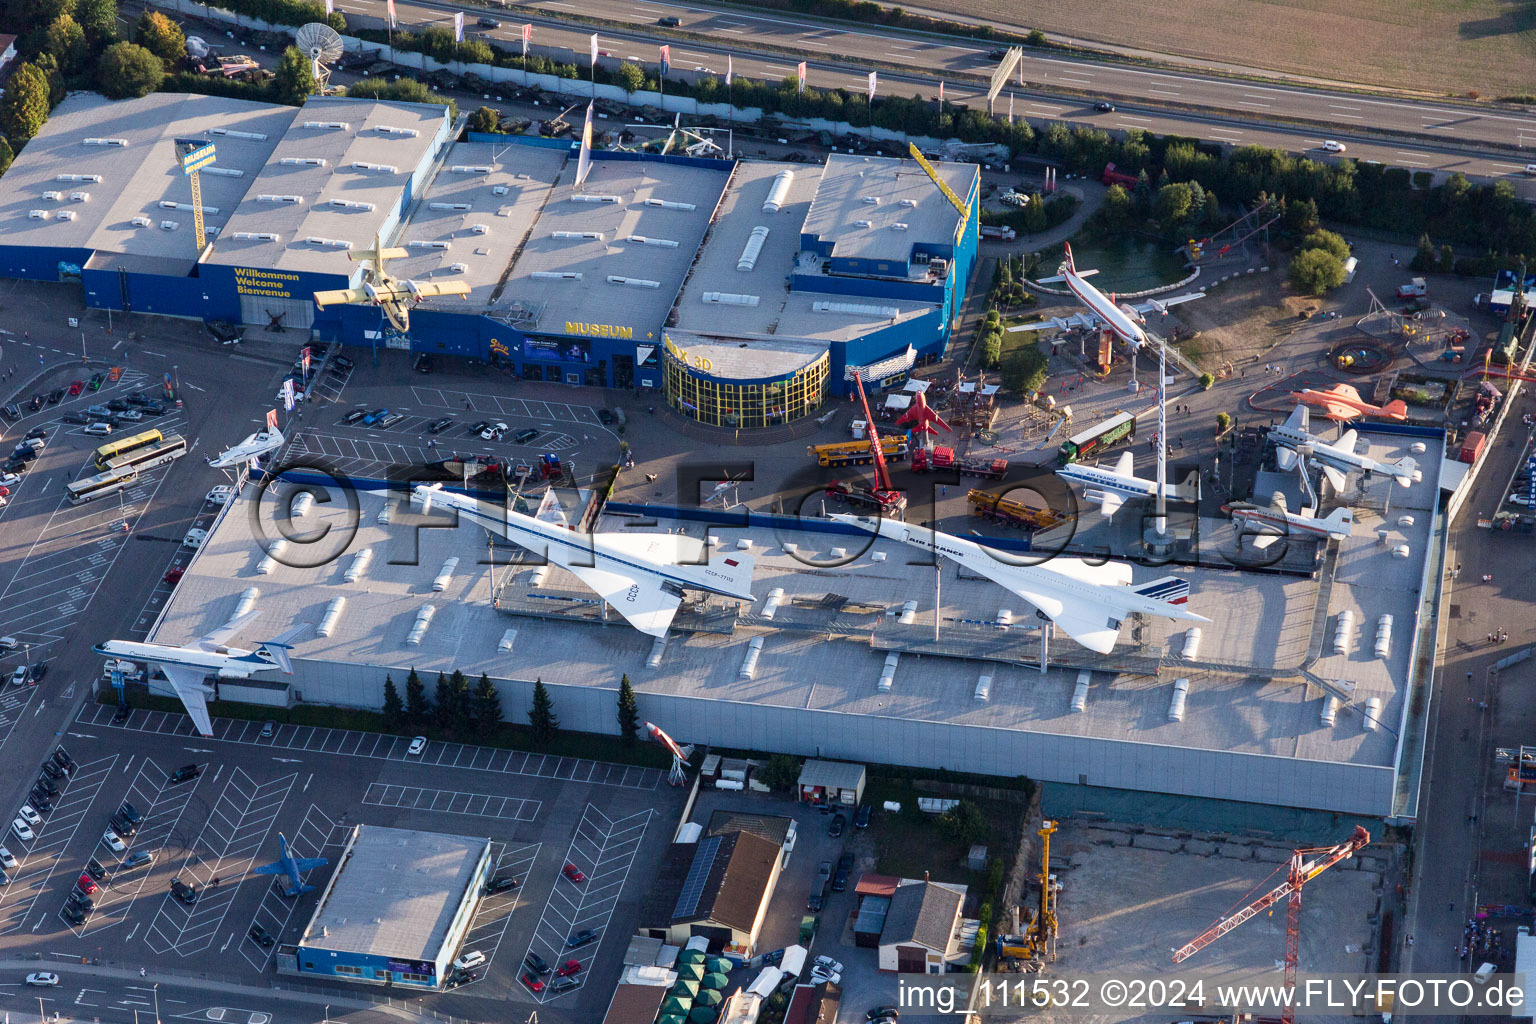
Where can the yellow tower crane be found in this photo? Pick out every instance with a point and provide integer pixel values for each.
(195, 154)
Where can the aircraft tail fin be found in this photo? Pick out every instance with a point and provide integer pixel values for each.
(1396, 409)
(1338, 521)
(1403, 470)
(1070, 264)
(280, 645)
(1168, 589)
(726, 572)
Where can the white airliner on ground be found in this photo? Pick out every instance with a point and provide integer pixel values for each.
(1110, 487)
(1337, 458)
(1124, 318)
(642, 575)
(187, 667)
(1088, 602)
(257, 444)
(1335, 525)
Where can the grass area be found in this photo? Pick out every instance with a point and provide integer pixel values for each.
(909, 843)
(1442, 46)
(507, 737)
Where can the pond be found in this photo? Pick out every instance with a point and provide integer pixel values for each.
(1126, 264)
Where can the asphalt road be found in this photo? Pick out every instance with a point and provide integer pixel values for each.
(1052, 88)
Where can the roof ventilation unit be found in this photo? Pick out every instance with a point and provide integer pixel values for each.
(507, 640)
(1191, 644)
(440, 584)
(267, 198)
(269, 562)
(665, 204)
(1176, 705)
(359, 565)
(771, 605)
(583, 198)
(1330, 710)
(247, 601)
(231, 133)
(660, 243)
(1383, 636)
(96, 178)
(900, 225)
(729, 299)
(166, 204)
(328, 125)
(329, 243)
(909, 202)
(140, 222)
(596, 236)
(633, 282)
(556, 275)
(457, 268)
(449, 206)
(499, 190)
(888, 673)
(480, 229)
(471, 168)
(225, 172)
(984, 686)
(302, 503)
(419, 627)
(39, 214)
(351, 204)
(254, 236)
(863, 224)
(384, 513)
(302, 161)
(856, 308)
(389, 129)
(1372, 714)
(1080, 691)
(422, 243)
(363, 165)
(752, 249)
(55, 196)
(1342, 631)
(749, 663)
(657, 650)
(539, 575)
(66, 215)
(908, 613)
(170, 225)
(870, 200)
(778, 191)
(332, 613)
(209, 230)
(106, 142)
(79, 197)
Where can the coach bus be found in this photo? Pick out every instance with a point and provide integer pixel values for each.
(93, 487)
(1095, 439)
(112, 449)
(150, 456)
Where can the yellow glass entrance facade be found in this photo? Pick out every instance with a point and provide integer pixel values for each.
(746, 405)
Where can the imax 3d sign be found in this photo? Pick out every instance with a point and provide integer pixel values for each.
(599, 330)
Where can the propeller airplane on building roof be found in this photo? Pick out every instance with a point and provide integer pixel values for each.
(394, 296)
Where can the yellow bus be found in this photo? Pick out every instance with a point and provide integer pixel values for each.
(112, 449)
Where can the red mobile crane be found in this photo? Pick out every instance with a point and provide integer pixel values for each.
(887, 499)
(1299, 872)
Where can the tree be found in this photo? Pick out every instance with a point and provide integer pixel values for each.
(99, 19)
(1223, 423)
(781, 773)
(485, 120)
(1316, 271)
(443, 714)
(630, 77)
(1116, 210)
(1299, 215)
(1328, 241)
(991, 349)
(541, 715)
(1207, 381)
(24, 107)
(963, 823)
(394, 707)
(49, 66)
(294, 79)
(64, 40)
(461, 704)
(416, 707)
(6, 155)
(1424, 258)
(160, 36)
(127, 70)
(629, 711)
(1172, 205)
(1024, 370)
(487, 707)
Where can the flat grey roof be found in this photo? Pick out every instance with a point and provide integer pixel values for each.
(832, 774)
(396, 893)
(593, 299)
(748, 358)
(505, 200)
(136, 177)
(363, 163)
(848, 180)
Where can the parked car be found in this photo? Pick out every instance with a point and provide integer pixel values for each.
(341, 364)
(73, 914)
(30, 816)
(261, 935)
(81, 900)
(494, 432)
(268, 729)
(374, 417)
(418, 744)
(39, 671)
(63, 760)
(123, 827)
(572, 872)
(112, 841)
(474, 958)
(51, 770)
(12, 411)
(87, 884)
(569, 968)
(564, 985)
(138, 858)
(75, 418)
(585, 937)
(55, 396)
(813, 902)
(535, 963)
(185, 772)
(183, 891)
(840, 880)
(138, 398)
(390, 420)
(353, 416)
(606, 417)
(7, 861)
(96, 381)
(45, 978)
(424, 361)
(882, 1011)
(195, 537)
(36, 403)
(524, 436)
(19, 676)
(131, 415)
(75, 387)
(836, 828)
(476, 427)
(118, 404)
(21, 830)
(39, 800)
(532, 981)
(506, 883)
(47, 785)
(827, 964)
(220, 494)
(156, 409)
(861, 818)
(437, 426)
(95, 870)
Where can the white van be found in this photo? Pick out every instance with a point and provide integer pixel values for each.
(1530, 169)
(97, 430)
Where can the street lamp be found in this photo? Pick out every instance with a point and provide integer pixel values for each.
(157, 1002)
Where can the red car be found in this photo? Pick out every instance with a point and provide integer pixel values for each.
(76, 386)
(570, 968)
(574, 873)
(533, 983)
(173, 576)
(5, 492)
(87, 884)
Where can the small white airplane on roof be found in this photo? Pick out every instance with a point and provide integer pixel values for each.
(1337, 458)
(186, 667)
(1088, 602)
(254, 446)
(1335, 525)
(395, 297)
(1124, 318)
(1110, 487)
(642, 575)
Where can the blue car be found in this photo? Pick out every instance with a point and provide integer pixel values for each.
(374, 417)
(581, 938)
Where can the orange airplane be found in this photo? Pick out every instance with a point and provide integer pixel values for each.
(1342, 402)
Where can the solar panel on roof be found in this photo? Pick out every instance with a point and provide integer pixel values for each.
(693, 885)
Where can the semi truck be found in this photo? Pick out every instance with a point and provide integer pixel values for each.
(1012, 512)
(857, 453)
(943, 458)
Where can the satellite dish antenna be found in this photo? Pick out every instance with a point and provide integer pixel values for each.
(322, 45)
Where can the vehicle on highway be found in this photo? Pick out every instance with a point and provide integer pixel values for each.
(23, 831)
(1104, 107)
(45, 978)
(572, 872)
(1329, 146)
(483, 23)
(418, 744)
(262, 936)
(582, 938)
(670, 22)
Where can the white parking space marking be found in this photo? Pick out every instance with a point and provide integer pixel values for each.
(226, 849)
(488, 927)
(37, 860)
(389, 748)
(13, 704)
(604, 850)
(447, 801)
(315, 834)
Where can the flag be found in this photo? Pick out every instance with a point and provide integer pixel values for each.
(594, 49)
(288, 396)
(730, 71)
(458, 27)
(271, 419)
(871, 87)
(330, 6)
(584, 159)
(666, 60)
(1010, 108)
(527, 37)
(304, 358)
(799, 69)
(391, 5)
(941, 92)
